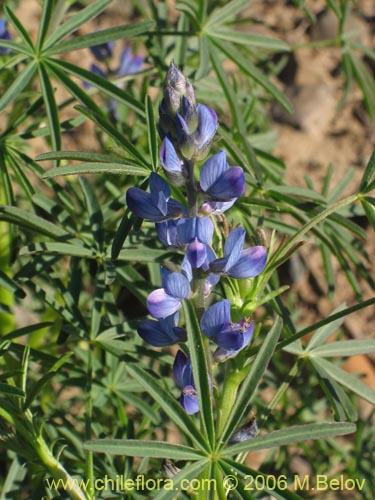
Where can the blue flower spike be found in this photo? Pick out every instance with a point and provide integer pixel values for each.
(219, 182)
(165, 301)
(197, 233)
(183, 376)
(216, 324)
(4, 35)
(239, 263)
(129, 63)
(162, 332)
(157, 205)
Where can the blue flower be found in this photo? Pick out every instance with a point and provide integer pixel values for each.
(172, 165)
(183, 376)
(162, 332)
(195, 145)
(239, 263)
(129, 63)
(219, 182)
(217, 325)
(103, 51)
(165, 301)
(4, 35)
(157, 205)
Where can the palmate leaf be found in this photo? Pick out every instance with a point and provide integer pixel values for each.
(200, 369)
(289, 436)
(322, 334)
(247, 390)
(167, 402)
(226, 13)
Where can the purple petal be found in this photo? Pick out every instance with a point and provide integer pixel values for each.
(175, 284)
(168, 157)
(216, 318)
(102, 51)
(140, 203)
(163, 332)
(213, 169)
(216, 207)
(233, 246)
(129, 64)
(207, 124)
(186, 230)
(186, 269)
(230, 339)
(230, 185)
(160, 304)
(189, 400)
(179, 367)
(167, 232)
(251, 263)
(196, 253)
(204, 229)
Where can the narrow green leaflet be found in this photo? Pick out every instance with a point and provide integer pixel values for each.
(29, 220)
(247, 390)
(322, 334)
(369, 174)
(100, 83)
(48, 8)
(19, 27)
(95, 213)
(18, 85)
(10, 285)
(167, 402)
(97, 168)
(369, 207)
(10, 390)
(85, 156)
(26, 330)
(142, 448)
(75, 22)
(346, 379)
(152, 133)
(59, 248)
(200, 369)
(226, 13)
(51, 107)
(258, 41)
(289, 436)
(103, 36)
(251, 70)
(344, 348)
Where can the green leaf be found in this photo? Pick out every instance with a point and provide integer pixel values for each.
(100, 83)
(365, 81)
(326, 321)
(23, 78)
(121, 234)
(247, 390)
(251, 70)
(97, 168)
(102, 36)
(343, 407)
(51, 107)
(44, 23)
(26, 330)
(350, 381)
(299, 193)
(344, 348)
(226, 13)
(59, 248)
(152, 133)
(258, 41)
(75, 22)
(369, 174)
(81, 156)
(200, 369)
(19, 27)
(31, 221)
(369, 208)
(119, 138)
(10, 390)
(144, 255)
(10, 285)
(167, 402)
(323, 333)
(289, 436)
(142, 448)
(16, 47)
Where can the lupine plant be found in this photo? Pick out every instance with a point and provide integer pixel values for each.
(147, 346)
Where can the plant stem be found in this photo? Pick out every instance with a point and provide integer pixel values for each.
(191, 189)
(228, 396)
(88, 419)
